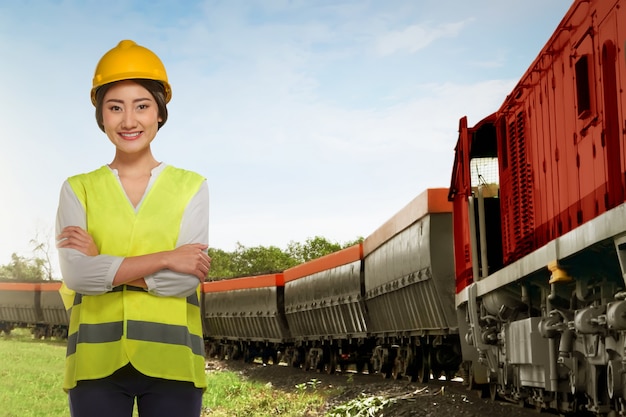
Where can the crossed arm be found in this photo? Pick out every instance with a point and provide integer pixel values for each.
(169, 273)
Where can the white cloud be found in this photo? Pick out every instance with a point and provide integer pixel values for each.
(415, 37)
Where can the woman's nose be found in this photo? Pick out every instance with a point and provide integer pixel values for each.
(129, 120)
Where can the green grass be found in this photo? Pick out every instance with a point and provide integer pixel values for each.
(31, 376)
(230, 396)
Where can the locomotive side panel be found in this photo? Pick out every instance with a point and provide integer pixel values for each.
(547, 326)
(560, 144)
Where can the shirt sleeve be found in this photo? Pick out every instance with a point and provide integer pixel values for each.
(89, 275)
(194, 228)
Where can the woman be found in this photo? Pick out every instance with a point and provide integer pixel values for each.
(132, 238)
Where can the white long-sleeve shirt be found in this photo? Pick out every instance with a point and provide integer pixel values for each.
(93, 275)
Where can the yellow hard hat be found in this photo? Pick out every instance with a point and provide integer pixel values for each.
(128, 61)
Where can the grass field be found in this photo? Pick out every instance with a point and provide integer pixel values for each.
(31, 376)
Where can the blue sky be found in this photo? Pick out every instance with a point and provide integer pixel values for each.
(308, 118)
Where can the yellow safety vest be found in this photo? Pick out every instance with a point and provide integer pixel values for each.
(160, 336)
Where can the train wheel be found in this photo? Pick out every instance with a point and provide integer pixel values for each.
(235, 353)
(222, 353)
(248, 356)
(493, 391)
(481, 389)
(292, 359)
(401, 365)
(331, 365)
(212, 350)
(389, 364)
(436, 371)
(385, 370)
(268, 354)
(313, 359)
(396, 373)
(412, 365)
(360, 366)
(39, 332)
(423, 365)
(378, 362)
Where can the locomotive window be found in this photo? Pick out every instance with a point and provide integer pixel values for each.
(484, 171)
(583, 93)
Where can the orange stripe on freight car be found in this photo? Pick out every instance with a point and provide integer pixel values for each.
(51, 286)
(20, 286)
(257, 281)
(342, 257)
(431, 201)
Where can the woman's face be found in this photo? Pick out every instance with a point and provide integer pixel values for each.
(130, 117)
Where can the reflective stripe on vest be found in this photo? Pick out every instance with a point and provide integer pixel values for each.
(138, 330)
(159, 336)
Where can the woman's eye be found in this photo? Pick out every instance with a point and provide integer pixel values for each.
(115, 108)
(142, 106)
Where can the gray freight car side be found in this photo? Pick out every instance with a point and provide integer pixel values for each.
(19, 303)
(323, 298)
(52, 309)
(245, 309)
(409, 280)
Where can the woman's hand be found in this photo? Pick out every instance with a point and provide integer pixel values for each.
(190, 259)
(74, 237)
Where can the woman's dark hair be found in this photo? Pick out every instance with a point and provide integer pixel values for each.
(154, 87)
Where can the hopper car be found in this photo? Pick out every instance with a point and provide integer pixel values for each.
(36, 305)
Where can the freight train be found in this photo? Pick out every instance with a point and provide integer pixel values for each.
(385, 305)
(514, 276)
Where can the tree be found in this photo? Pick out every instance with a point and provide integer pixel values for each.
(221, 264)
(260, 260)
(42, 246)
(247, 261)
(315, 247)
(24, 269)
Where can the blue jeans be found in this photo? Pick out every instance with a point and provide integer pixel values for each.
(114, 396)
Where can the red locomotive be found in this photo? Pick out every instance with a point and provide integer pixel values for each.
(540, 224)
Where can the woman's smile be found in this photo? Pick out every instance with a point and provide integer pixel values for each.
(130, 135)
